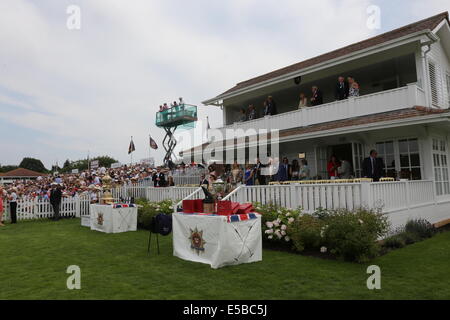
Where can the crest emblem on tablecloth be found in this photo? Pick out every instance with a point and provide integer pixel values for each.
(100, 219)
(197, 242)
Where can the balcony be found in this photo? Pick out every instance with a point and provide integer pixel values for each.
(383, 101)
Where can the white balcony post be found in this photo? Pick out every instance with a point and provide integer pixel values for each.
(295, 200)
(408, 194)
(366, 194)
(412, 92)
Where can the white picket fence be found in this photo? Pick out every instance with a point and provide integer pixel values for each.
(28, 209)
(79, 206)
(388, 196)
(152, 193)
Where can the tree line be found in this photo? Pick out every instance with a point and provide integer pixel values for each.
(68, 166)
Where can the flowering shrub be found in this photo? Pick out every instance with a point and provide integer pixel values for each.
(276, 221)
(353, 235)
(147, 210)
(307, 233)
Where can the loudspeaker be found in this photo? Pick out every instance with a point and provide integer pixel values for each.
(298, 80)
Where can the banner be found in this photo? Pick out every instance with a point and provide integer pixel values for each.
(94, 164)
(74, 170)
(116, 165)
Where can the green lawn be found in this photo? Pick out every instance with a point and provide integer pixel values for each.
(34, 257)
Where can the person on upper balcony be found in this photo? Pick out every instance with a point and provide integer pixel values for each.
(251, 113)
(270, 107)
(243, 115)
(353, 87)
(303, 103)
(161, 109)
(317, 96)
(342, 89)
(165, 106)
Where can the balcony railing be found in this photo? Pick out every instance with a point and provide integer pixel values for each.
(384, 101)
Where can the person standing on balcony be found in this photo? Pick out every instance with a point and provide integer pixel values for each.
(345, 170)
(243, 115)
(283, 170)
(372, 166)
(303, 101)
(270, 107)
(332, 167)
(295, 170)
(305, 172)
(248, 176)
(258, 172)
(342, 89)
(353, 87)
(251, 112)
(55, 200)
(317, 97)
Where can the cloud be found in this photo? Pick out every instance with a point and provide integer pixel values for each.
(93, 88)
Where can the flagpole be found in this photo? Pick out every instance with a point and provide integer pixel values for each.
(149, 149)
(131, 153)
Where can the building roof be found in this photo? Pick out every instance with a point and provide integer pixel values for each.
(422, 25)
(414, 112)
(21, 172)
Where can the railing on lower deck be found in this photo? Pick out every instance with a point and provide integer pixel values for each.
(387, 196)
(383, 101)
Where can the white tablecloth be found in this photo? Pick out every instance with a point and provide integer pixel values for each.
(105, 218)
(215, 241)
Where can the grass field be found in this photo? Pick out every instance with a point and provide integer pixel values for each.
(34, 257)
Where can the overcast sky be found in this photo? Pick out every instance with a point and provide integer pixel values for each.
(66, 92)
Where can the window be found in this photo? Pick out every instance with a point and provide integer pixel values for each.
(433, 83)
(401, 158)
(440, 167)
(409, 159)
(386, 152)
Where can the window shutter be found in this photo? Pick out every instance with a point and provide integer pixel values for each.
(433, 84)
(448, 89)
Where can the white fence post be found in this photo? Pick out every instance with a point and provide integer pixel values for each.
(366, 194)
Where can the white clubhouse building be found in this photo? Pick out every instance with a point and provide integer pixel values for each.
(402, 112)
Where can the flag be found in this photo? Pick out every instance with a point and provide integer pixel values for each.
(207, 121)
(153, 144)
(131, 148)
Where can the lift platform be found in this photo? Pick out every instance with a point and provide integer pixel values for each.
(183, 116)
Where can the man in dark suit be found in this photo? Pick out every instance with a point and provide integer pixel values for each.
(155, 179)
(317, 97)
(270, 107)
(203, 180)
(55, 200)
(372, 167)
(283, 170)
(341, 91)
(258, 174)
(161, 179)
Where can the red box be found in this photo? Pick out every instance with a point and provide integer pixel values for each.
(193, 206)
(245, 208)
(225, 208)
